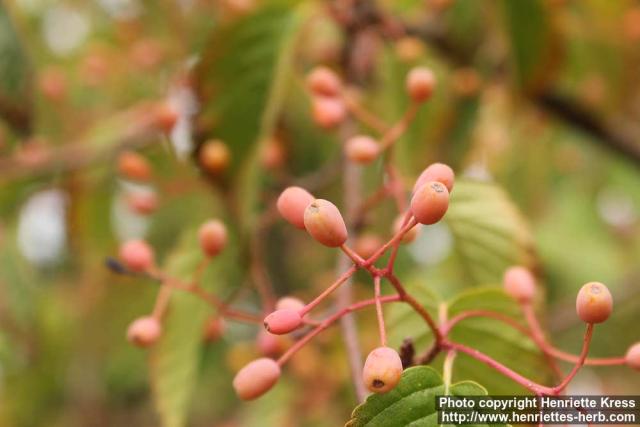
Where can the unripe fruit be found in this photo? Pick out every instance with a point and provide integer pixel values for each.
(283, 321)
(367, 244)
(410, 235)
(214, 329)
(324, 82)
(292, 203)
(272, 155)
(144, 331)
(143, 203)
(133, 166)
(213, 237)
(146, 53)
(430, 202)
(165, 116)
(436, 172)
(53, 83)
(420, 83)
(256, 378)
(136, 255)
(632, 358)
(382, 370)
(409, 49)
(594, 303)
(269, 344)
(291, 303)
(362, 149)
(520, 284)
(323, 221)
(214, 156)
(328, 112)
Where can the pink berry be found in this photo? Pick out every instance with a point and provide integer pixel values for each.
(362, 149)
(292, 203)
(430, 202)
(283, 321)
(420, 83)
(382, 370)
(410, 235)
(137, 255)
(134, 166)
(322, 81)
(144, 331)
(328, 112)
(323, 221)
(436, 172)
(256, 378)
(143, 203)
(367, 244)
(291, 303)
(214, 329)
(594, 303)
(269, 344)
(519, 283)
(213, 237)
(632, 358)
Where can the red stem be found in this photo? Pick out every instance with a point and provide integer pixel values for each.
(328, 322)
(335, 285)
(583, 355)
(509, 373)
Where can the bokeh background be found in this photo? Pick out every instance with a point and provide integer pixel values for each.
(537, 104)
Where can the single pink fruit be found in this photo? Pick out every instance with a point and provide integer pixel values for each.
(134, 166)
(367, 244)
(324, 82)
(328, 112)
(213, 237)
(291, 303)
(283, 321)
(323, 221)
(410, 235)
(362, 149)
(430, 202)
(632, 358)
(256, 378)
(143, 203)
(382, 370)
(292, 203)
(144, 331)
(436, 172)
(519, 283)
(594, 303)
(214, 329)
(136, 255)
(269, 344)
(420, 83)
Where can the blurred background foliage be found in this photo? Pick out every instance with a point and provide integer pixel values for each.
(537, 105)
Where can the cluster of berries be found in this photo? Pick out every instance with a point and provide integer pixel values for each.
(137, 257)
(324, 223)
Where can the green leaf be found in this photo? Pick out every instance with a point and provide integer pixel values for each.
(535, 45)
(490, 233)
(243, 95)
(175, 358)
(490, 336)
(412, 402)
(15, 84)
(502, 342)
